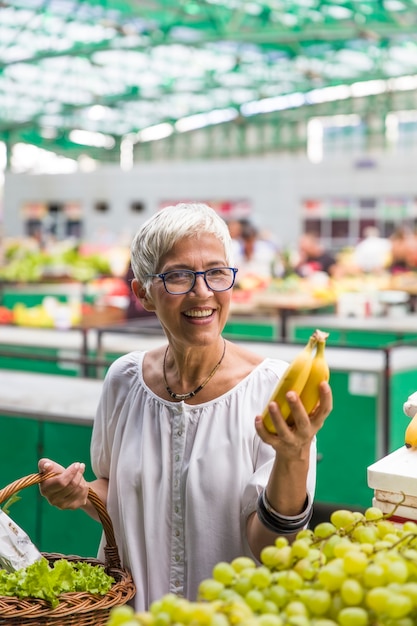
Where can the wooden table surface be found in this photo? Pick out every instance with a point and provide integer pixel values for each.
(281, 304)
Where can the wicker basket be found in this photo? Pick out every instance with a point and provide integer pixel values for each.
(75, 608)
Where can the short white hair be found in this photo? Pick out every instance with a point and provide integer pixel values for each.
(165, 228)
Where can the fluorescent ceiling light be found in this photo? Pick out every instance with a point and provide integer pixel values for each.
(152, 133)
(329, 94)
(97, 112)
(201, 120)
(88, 138)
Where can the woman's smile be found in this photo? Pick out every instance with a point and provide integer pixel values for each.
(199, 313)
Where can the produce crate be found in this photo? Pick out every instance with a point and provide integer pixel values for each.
(96, 317)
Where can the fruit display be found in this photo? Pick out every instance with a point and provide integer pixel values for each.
(106, 298)
(25, 263)
(6, 315)
(357, 569)
(303, 375)
(51, 313)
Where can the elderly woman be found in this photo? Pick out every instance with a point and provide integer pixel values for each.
(183, 461)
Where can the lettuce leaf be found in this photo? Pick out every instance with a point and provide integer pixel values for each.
(41, 580)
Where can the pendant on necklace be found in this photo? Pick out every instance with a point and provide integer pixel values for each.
(191, 394)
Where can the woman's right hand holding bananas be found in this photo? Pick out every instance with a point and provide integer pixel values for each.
(303, 376)
(290, 438)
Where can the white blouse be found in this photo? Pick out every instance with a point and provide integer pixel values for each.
(182, 479)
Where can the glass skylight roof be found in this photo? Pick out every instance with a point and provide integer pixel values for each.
(117, 67)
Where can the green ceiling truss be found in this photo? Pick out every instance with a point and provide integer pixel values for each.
(147, 62)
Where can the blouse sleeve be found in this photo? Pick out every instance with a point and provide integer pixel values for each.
(118, 384)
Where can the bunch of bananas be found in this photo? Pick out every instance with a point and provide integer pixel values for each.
(303, 375)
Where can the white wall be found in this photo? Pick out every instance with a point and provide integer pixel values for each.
(274, 186)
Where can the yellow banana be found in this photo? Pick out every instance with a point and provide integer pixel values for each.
(411, 433)
(319, 371)
(293, 379)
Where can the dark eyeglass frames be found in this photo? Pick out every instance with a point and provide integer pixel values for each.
(178, 282)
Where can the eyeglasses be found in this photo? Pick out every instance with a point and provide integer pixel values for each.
(178, 282)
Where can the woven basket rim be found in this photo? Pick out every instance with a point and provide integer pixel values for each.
(72, 602)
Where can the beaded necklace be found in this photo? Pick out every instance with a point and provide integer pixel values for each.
(191, 394)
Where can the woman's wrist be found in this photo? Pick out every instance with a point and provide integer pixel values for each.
(282, 524)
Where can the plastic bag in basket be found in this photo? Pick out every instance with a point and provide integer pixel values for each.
(16, 549)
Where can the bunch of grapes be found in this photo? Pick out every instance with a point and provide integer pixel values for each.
(358, 569)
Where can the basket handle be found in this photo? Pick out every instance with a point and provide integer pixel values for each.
(110, 550)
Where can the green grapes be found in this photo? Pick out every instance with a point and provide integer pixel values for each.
(357, 569)
(373, 513)
(342, 518)
(352, 592)
(300, 548)
(353, 616)
(121, 615)
(255, 599)
(210, 589)
(355, 562)
(261, 577)
(374, 575)
(242, 562)
(332, 575)
(325, 529)
(277, 557)
(270, 620)
(319, 602)
(278, 595)
(224, 573)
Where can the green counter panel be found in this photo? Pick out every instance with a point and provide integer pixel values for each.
(18, 361)
(11, 298)
(402, 385)
(251, 328)
(23, 443)
(346, 445)
(19, 458)
(365, 338)
(35, 296)
(68, 532)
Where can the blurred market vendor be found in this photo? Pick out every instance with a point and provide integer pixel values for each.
(373, 252)
(183, 461)
(312, 257)
(254, 256)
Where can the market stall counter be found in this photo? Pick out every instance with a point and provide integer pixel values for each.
(44, 350)
(282, 306)
(356, 331)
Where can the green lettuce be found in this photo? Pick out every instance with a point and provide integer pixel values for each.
(46, 582)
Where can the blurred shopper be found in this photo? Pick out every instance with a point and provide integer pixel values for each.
(312, 257)
(373, 253)
(235, 230)
(401, 250)
(411, 254)
(255, 256)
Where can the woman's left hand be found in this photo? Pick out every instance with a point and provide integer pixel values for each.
(304, 427)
